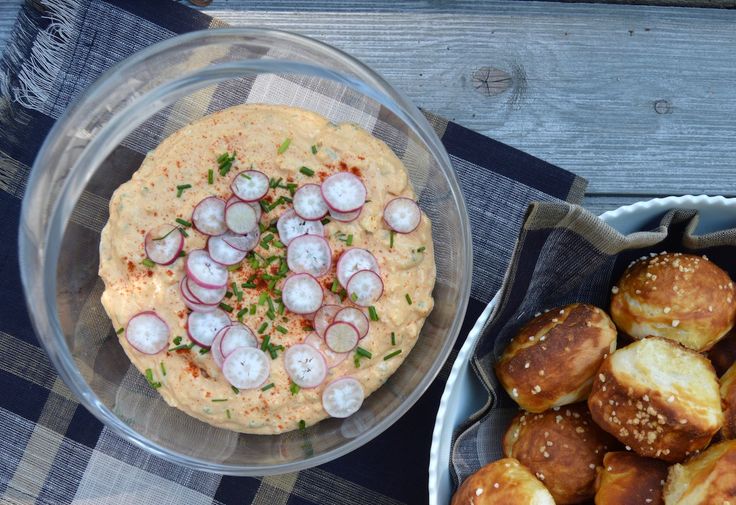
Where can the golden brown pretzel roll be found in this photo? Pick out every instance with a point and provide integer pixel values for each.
(503, 481)
(723, 354)
(553, 358)
(562, 448)
(682, 297)
(627, 478)
(728, 396)
(659, 398)
(708, 478)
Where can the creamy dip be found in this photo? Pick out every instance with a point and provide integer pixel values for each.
(188, 378)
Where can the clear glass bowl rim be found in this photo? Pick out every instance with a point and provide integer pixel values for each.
(35, 280)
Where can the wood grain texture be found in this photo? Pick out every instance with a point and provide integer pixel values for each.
(639, 100)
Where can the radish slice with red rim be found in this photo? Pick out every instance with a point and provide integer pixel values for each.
(209, 216)
(291, 226)
(341, 336)
(222, 252)
(244, 243)
(365, 288)
(202, 327)
(240, 217)
(308, 202)
(309, 254)
(147, 332)
(246, 368)
(343, 397)
(331, 357)
(305, 365)
(204, 270)
(345, 217)
(190, 301)
(343, 192)
(237, 335)
(324, 317)
(402, 215)
(163, 244)
(204, 295)
(356, 317)
(215, 348)
(250, 185)
(352, 261)
(254, 205)
(302, 294)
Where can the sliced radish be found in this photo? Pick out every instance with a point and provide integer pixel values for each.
(352, 261)
(244, 243)
(190, 301)
(344, 192)
(205, 271)
(237, 335)
(345, 217)
(246, 367)
(324, 317)
(356, 317)
(202, 327)
(147, 332)
(209, 216)
(305, 365)
(291, 226)
(343, 397)
(204, 295)
(163, 244)
(402, 215)
(240, 217)
(365, 287)
(308, 202)
(250, 185)
(215, 348)
(302, 294)
(331, 357)
(222, 252)
(309, 254)
(254, 205)
(341, 336)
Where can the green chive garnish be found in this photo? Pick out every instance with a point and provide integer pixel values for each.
(183, 232)
(149, 378)
(227, 413)
(262, 298)
(307, 171)
(180, 189)
(252, 310)
(391, 239)
(362, 352)
(262, 327)
(224, 306)
(408, 299)
(302, 425)
(354, 297)
(120, 331)
(278, 243)
(335, 286)
(183, 222)
(314, 149)
(349, 240)
(177, 341)
(372, 313)
(219, 399)
(241, 313)
(281, 329)
(235, 390)
(225, 163)
(294, 388)
(163, 369)
(422, 249)
(148, 263)
(356, 361)
(228, 294)
(182, 346)
(325, 220)
(267, 386)
(389, 356)
(233, 268)
(182, 254)
(204, 350)
(393, 338)
(284, 146)
(210, 176)
(249, 285)
(264, 206)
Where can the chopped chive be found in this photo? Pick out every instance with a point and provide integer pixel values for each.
(267, 386)
(267, 238)
(235, 390)
(225, 162)
(325, 220)
(349, 240)
(210, 176)
(262, 327)
(149, 378)
(264, 206)
(262, 227)
(292, 188)
(163, 368)
(182, 346)
(354, 296)
(284, 146)
(177, 341)
(294, 388)
(302, 425)
(362, 352)
(204, 350)
(262, 298)
(393, 338)
(183, 232)
(372, 313)
(307, 171)
(241, 313)
(314, 149)
(422, 249)
(335, 286)
(278, 243)
(273, 183)
(307, 328)
(281, 329)
(167, 234)
(148, 263)
(270, 304)
(246, 176)
(180, 189)
(281, 308)
(408, 299)
(227, 413)
(183, 222)
(219, 399)
(270, 314)
(248, 285)
(356, 361)
(252, 310)
(271, 284)
(228, 294)
(391, 239)
(233, 268)
(224, 306)
(120, 331)
(389, 356)
(182, 254)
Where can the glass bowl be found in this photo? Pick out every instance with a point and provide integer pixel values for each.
(99, 143)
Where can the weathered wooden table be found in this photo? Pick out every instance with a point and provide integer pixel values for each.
(639, 100)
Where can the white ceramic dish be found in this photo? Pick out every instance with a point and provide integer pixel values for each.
(464, 395)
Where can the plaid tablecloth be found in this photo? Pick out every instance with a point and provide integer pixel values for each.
(51, 449)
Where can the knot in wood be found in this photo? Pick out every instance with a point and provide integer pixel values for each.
(490, 81)
(662, 106)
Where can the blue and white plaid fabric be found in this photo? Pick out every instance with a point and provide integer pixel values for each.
(51, 449)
